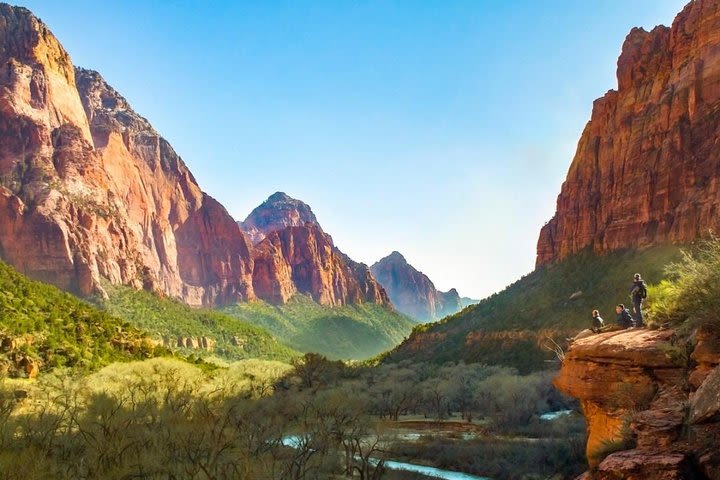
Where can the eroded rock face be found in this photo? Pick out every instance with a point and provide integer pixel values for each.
(647, 166)
(304, 259)
(706, 354)
(412, 292)
(632, 464)
(614, 373)
(90, 192)
(277, 212)
(705, 402)
(634, 390)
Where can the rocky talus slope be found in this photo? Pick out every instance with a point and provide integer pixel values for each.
(652, 403)
(647, 167)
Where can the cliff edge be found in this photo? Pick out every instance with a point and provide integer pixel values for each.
(651, 399)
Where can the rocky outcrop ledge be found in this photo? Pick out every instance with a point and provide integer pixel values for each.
(651, 397)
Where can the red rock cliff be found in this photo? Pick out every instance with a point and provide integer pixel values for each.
(641, 392)
(304, 259)
(647, 167)
(90, 192)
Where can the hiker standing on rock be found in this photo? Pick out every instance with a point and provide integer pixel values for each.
(638, 293)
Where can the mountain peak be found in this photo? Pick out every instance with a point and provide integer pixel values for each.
(278, 197)
(411, 291)
(666, 164)
(279, 211)
(395, 256)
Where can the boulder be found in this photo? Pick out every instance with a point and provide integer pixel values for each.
(705, 402)
(637, 464)
(616, 374)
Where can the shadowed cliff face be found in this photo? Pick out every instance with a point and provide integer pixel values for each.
(635, 387)
(647, 167)
(90, 192)
(412, 292)
(304, 259)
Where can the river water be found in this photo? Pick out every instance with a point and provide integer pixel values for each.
(430, 471)
(294, 441)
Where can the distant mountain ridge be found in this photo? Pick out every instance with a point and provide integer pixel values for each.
(294, 255)
(413, 293)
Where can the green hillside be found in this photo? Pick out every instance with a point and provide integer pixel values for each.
(347, 332)
(171, 321)
(44, 327)
(511, 327)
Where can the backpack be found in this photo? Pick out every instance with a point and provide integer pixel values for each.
(643, 291)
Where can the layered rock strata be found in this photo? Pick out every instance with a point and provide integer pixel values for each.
(91, 193)
(304, 259)
(635, 392)
(647, 168)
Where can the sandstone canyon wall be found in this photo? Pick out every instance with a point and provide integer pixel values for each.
(654, 396)
(304, 259)
(294, 255)
(90, 192)
(647, 167)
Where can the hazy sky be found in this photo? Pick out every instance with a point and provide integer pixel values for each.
(439, 128)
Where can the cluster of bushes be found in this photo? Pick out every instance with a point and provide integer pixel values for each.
(164, 418)
(463, 392)
(42, 324)
(691, 293)
(506, 459)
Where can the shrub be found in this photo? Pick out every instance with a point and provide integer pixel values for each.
(692, 292)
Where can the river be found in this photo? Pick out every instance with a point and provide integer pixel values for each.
(293, 441)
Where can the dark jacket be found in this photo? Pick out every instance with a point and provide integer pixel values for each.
(636, 291)
(624, 319)
(597, 323)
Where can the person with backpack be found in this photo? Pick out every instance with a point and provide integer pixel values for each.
(638, 293)
(624, 319)
(597, 322)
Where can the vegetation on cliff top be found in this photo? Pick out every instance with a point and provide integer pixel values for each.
(509, 327)
(169, 320)
(44, 325)
(345, 332)
(690, 295)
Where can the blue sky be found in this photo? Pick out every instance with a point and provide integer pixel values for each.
(439, 128)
